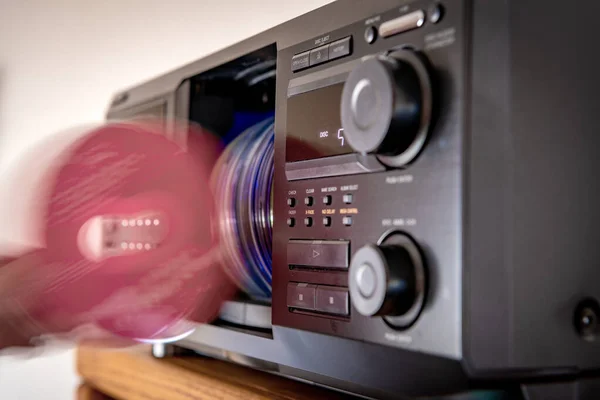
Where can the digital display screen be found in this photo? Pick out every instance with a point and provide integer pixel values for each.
(314, 128)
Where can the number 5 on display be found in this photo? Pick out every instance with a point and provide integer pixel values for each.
(340, 135)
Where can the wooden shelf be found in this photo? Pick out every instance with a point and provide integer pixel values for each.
(133, 374)
(86, 392)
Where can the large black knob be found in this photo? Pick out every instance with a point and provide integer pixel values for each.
(389, 280)
(387, 106)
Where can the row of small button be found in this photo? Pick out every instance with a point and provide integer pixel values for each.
(348, 198)
(319, 55)
(308, 221)
(327, 299)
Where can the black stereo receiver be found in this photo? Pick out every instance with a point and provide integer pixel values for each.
(409, 196)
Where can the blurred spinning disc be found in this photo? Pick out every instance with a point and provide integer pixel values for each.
(128, 243)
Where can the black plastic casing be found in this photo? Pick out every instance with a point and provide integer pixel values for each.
(504, 194)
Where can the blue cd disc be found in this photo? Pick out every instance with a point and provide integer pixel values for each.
(251, 196)
(242, 183)
(227, 171)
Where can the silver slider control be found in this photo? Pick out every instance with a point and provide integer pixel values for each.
(401, 24)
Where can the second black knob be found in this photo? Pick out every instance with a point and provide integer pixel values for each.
(388, 280)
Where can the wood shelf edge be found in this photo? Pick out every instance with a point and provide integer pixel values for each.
(133, 374)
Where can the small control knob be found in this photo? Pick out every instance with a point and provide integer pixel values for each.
(389, 280)
(386, 107)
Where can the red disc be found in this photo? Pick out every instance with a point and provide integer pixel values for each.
(129, 246)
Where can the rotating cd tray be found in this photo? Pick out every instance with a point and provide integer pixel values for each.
(242, 185)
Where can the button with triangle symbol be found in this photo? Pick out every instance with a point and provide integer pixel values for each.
(334, 254)
(319, 55)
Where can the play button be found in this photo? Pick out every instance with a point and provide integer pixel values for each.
(318, 253)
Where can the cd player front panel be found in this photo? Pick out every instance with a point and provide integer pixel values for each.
(367, 193)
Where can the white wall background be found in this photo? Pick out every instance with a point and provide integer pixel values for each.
(60, 63)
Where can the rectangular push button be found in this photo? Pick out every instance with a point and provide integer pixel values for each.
(319, 55)
(318, 253)
(301, 61)
(341, 48)
(402, 24)
(301, 295)
(332, 300)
